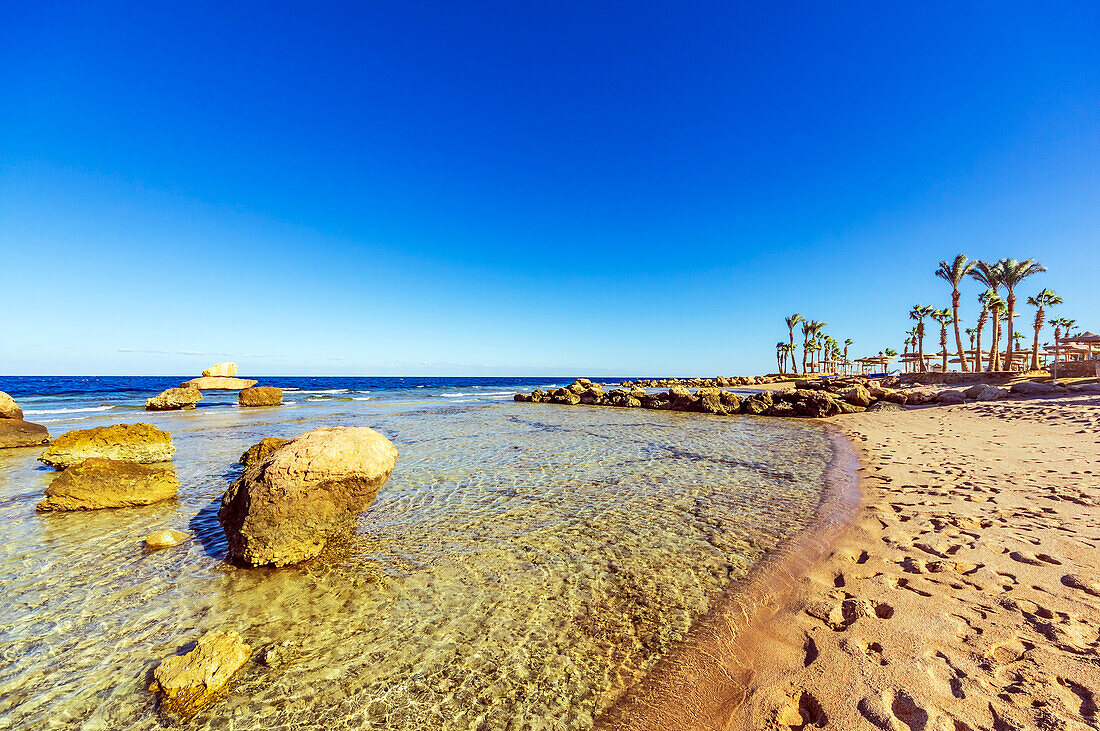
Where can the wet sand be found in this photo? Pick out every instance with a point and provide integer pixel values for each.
(964, 595)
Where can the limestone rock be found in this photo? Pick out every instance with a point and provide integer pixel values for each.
(19, 433)
(227, 370)
(1033, 388)
(172, 399)
(711, 403)
(880, 406)
(8, 408)
(259, 452)
(260, 396)
(819, 404)
(99, 483)
(858, 396)
(219, 383)
(992, 393)
(950, 397)
(283, 509)
(678, 392)
(191, 681)
(165, 539)
(142, 443)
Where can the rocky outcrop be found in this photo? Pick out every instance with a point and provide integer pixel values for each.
(285, 508)
(1034, 388)
(950, 397)
(226, 370)
(172, 399)
(98, 483)
(260, 396)
(19, 433)
(218, 383)
(991, 393)
(189, 682)
(883, 406)
(258, 452)
(8, 408)
(143, 443)
(858, 395)
(165, 539)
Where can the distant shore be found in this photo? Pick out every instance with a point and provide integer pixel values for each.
(966, 593)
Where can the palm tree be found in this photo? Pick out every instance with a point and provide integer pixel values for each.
(830, 348)
(996, 308)
(990, 276)
(1012, 273)
(791, 321)
(985, 298)
(780, 357)
(1059, 323)
(944, 318)
(918, 313)
(1041, 301)
(788, 352)
(810, 330)
(954, 273)
(971, 332)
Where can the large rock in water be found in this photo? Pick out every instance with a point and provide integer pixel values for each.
(98, 483)
(172, 399)
(142, 443)
(19, 433)
(259, 452)
(284, 509)
(227, 370)
(8, 408)
(219, 383)
(191, 681)
(260, 396)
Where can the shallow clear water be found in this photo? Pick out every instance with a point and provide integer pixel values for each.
(524, 564)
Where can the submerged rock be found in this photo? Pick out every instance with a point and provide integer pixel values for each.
(142, 443)
(189, 682)
(19, 433)
(172, 399)
(260, 396)
(98, 483)
(165, 539)
(258, 452)
(218, 383)
(227, 370)
(276, 654)
(284, 509)
(8, 408)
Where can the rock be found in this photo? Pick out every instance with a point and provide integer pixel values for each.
(174, 398)
(858, 396)
(592, 395)
(818, 405)
(711, 403)
(191, 681)
(259, 452)
(98, 483)
(520, 397)
(219, 383)
(226, 370)
(1034, 388)
(992, 393)
(677, 392)
(284, 509)
(879, 406)
(19, 433)
(898, 397)
(731, 401)
(781, 408)
(950, 397)
(847, 408)
(276, 654)
(580, 385)
(656, 401)
(565, 396)
(973, 391)
(260, 396)
(142, 443)
(165, 539)
(920, 396)
(8, 408)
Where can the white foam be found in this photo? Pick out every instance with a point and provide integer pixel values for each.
(67, 411)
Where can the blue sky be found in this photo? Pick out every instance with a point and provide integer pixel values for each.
(575, 188)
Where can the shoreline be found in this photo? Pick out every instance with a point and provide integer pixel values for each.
(703, 680)
(964, 595)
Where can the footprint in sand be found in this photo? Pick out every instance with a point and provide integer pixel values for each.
(1076, 581)
(802, 711)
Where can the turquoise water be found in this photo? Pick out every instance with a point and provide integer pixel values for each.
(523, 566)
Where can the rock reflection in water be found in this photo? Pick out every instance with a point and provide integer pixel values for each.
(524, 564)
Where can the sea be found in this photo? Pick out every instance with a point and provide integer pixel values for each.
(524, 566)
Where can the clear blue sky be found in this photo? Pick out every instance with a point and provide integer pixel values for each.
(574, 188)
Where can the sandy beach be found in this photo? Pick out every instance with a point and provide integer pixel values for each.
(964, 595)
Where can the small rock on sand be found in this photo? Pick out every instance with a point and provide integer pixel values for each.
(165, 539)
(191, 681)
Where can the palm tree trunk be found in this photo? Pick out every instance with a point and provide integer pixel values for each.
(943, 345)
(794, 363)
(1035, 346)
(958, 338)
(978, 346)
(1011, 330)
(920, 345)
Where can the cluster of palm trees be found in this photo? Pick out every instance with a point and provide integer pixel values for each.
(814, 342)
(1006, 274)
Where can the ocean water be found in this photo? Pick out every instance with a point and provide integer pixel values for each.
(525, 564)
